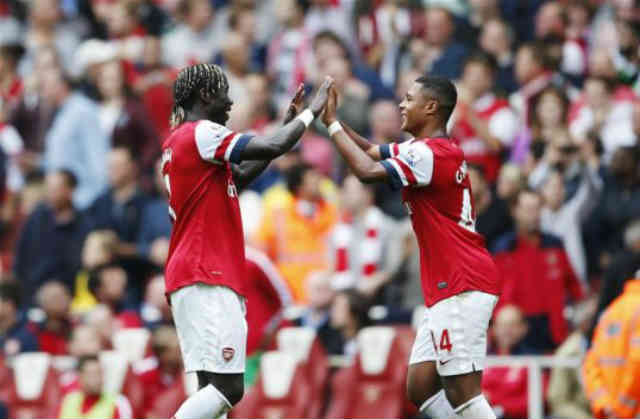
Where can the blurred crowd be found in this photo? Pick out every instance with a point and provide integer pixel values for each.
(548, 117)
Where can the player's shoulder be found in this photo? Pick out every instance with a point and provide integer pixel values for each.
(443, 148)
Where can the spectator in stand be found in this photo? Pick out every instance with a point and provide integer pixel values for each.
(268, 296)
(355, 95)
(262, 113)
(384, 121)
(316, 314)
(197, 36)
(152, 81)
(619, 204)
(610, 370)
(161, 371)
(85, 341)
(493, 217)
(622, 267)
(483, 124)
(363, 246)
(155, 226)
(294, 232)
(108, 283)
(443, 55)
(349, 314)
(51, 241)
(613, 120)
(566, 393)
(101, 318)
(497, 39)
(121, 207)
(537, 275)
(289, 50)
(548, 117)
(54, 328)
(15, 335)
(123, 118)
(563, 215)
(506, 387)
(11, 86)
(155, 311)
(46, 27)
(12, 146)
(326, 15)
(32, 116)
(533, 76)
(73, 141)
(236, 52)
(90, 401)
(481, 13)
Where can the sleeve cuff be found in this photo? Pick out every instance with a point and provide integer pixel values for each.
(236, 153)
(394, 178)
(385, 151)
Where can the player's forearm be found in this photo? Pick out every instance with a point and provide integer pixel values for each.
(363, 143)
(245, 172)
(361, 164)
(271, 146)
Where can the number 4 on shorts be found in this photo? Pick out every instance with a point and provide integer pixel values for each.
(445, 343)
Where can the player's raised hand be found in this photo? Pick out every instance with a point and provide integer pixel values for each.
(295, 105)
(329, 115)
(322, 95)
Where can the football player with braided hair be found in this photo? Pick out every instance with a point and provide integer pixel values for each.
(202, 163)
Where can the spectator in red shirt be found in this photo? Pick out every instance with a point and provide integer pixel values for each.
(155, 310)
(85, 341)
(10, 83)
(506, 387)
(536, 273)
(161, 371)
(108, 284)
(53, 329)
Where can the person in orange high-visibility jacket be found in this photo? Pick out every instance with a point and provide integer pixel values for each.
(611, 369)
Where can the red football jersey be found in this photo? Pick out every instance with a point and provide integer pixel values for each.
(207, 242)
(437, 193)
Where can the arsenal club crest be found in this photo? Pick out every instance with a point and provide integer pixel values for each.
(228, 353)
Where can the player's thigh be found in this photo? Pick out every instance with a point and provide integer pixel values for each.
(422, 375)
(462, 388)
(211, 326)
(459, 325)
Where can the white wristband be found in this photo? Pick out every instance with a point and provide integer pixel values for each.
(306, 117)
(335, 127)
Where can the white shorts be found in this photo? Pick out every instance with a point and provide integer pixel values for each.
(453, 333)
(212, 329)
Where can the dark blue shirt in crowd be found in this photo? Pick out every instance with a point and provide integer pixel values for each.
(124, 219)
(155, 224)
(449, 64)
(49, 250)
(18, 338)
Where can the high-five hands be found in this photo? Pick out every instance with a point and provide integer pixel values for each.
(322, 96)
(329, 116)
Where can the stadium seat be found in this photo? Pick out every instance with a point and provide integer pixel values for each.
(34, 391)
(274, 395)
(132, 342)
(374, 386)
(303, 344)
(120, 379)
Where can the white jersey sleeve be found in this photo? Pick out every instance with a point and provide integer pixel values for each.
(217, 143)
(408, 164)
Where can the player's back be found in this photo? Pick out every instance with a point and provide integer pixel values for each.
(453, 255)
(207, 243)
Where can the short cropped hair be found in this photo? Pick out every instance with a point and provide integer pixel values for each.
(443, 91)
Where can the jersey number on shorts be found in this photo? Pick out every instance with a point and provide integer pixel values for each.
(166, 158)
(445, 343)
(466, 215)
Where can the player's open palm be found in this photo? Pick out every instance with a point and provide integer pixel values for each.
(322, 95)
(295, 105)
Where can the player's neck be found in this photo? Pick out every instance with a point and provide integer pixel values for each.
(432, 130)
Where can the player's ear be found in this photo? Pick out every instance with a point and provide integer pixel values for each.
(431, 107)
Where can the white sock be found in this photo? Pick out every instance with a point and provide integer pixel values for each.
(438, 407)
(476, 408)
(206, 403)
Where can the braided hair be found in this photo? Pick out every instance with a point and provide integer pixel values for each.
(189, 82)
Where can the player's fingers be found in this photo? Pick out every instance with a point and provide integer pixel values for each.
(299, 93)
